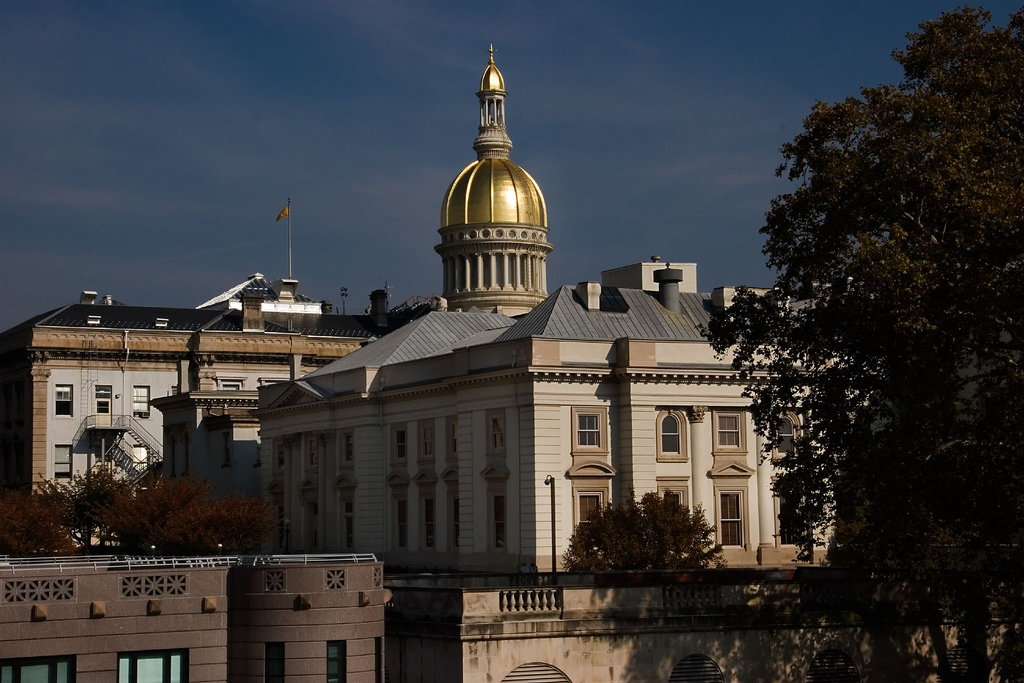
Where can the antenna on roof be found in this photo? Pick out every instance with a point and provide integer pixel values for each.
(344, 295)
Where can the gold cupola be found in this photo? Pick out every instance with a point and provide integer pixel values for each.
(494, 222)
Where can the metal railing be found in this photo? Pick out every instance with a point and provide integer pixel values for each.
(15, 565)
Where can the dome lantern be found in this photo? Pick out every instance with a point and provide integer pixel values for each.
(494, 244)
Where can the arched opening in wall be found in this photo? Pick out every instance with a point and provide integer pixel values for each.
(696, 669)
(833, 666)
(963, 665)
(535, 672)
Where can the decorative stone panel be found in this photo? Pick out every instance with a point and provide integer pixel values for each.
(689, 596)
(334, 579)
(273, 580)
(38, 590)
(153, 585)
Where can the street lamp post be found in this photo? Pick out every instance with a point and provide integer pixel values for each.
(550, 481)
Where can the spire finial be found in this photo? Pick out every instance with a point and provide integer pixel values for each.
(491, 50)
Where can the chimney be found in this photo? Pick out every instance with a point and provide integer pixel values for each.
(285, 289)
(326, 307)
(668, 280)
(589, 293)
(87, 297)
(721, 297)
(379, 307)
(108, 300)
(252, 313)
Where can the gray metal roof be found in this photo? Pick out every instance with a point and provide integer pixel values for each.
(436, 332)
(629, 313)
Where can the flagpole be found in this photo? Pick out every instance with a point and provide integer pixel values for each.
(289, 238)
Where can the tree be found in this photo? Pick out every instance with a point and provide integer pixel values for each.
(81, 501)
(181, 517)
(656, 533)
(31, 526)
(895, 327)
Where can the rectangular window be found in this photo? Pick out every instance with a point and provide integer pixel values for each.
(730, 519)
(787, 532)
(499, 521)
(336, 665)
(455, 521)
(38, 670)
(140, 401)
(399, 444)
(350, 524)
(104, 395)
(348, 446)
(452, 427)
(273, 663)
(497, 432)
(158, 666)
(588, 430)
(428, 522)
(402, 522)
(728, 431)
(314, 452)
(279, 460)
(230, 384)
(62, 400)
(62, 462)
(588, 505)
(427, 441)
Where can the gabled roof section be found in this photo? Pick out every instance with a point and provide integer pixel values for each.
(254, 284)
(298, 393)
(624, 312)
(435, 333)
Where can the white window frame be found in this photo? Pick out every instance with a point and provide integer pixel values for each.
(588, 493)
(425, 432)
(675, 486)
(741, 438)
(601, 414)
(400, 442)
(741, 520)
(148, 397)
(70, 400)
(57, 469)
(680, 454)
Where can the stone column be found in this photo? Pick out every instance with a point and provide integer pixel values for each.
(700, 461)
(38, 410)
(517, 283)
(544, 276)
(494, 273)
(528, 275)
(765, 501)
(479, 284)
(466, 276)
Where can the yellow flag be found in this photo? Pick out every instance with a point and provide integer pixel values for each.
(285, 212)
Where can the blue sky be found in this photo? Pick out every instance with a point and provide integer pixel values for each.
(146, 147)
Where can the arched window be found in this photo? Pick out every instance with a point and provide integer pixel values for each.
(535, 672)
(962, 665)
(786, 433)
(833, 666)
(696, 669)
(671, 436)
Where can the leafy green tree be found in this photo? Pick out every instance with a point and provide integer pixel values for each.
(896, 324)
(32, 526)
(654, 533)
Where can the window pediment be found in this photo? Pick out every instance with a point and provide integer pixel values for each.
(495, 472)
(732, 469)
(344, 482)
(307, 489)
(591, 470)
(425, 477)
(398, 478)
(450, 475)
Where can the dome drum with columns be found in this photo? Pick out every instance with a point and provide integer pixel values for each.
(494, 244)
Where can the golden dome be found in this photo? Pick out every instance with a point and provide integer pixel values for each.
(493, 191)
(492, 78)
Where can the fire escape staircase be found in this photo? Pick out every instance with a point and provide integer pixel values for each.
(119, 451)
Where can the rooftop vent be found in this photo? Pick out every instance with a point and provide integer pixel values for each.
(589, 293)
(87, 297)
(108, 300)
(93, 320)
(161, 322)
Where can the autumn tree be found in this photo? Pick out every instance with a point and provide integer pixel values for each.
(895, 326)
(81, 500)
(32, 526)
(182, 517)
(654, 533)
